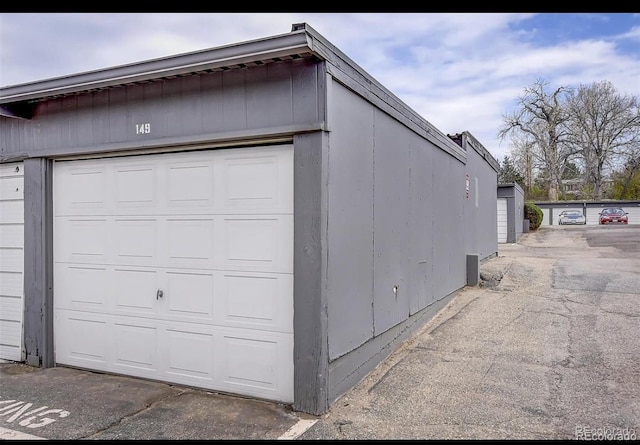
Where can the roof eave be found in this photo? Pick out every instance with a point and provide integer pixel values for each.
(285, 46)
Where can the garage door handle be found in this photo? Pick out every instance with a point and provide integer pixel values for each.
(159, 294)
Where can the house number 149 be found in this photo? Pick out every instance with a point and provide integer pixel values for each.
(143, 128)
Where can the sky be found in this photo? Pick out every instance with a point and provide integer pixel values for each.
(460, 71)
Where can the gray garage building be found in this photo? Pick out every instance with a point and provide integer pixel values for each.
(510, 211)
(590, 209)
(262, 219)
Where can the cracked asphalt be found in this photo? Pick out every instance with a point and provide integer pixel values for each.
(547, 347)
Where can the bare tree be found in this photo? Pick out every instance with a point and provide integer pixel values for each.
(605, 127)
(541, 117)
(522, 155)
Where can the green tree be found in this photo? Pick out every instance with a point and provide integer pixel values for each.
(534, 214)
(571, 171)
(626, 183)
(509, 173)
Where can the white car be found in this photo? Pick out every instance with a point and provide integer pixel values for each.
(571, 217)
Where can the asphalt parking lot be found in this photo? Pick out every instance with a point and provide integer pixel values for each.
(546, 347)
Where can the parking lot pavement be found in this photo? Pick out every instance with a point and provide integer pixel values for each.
(66, 403)
(546, 347)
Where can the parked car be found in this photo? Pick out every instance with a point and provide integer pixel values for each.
(614, 215)
(571, 217)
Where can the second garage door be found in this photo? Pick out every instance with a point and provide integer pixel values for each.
(11, 261)
(178, 267)
(502, 220)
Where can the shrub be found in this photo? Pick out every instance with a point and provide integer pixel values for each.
(534, 214)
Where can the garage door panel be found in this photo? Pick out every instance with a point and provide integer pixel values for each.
(11, 310)
(256, 243)
(12, 236)
(190, 354)
(593, 217)
(135, 241)
(251, 181)
(86, 240)
(134, 344)
(12, 212)
(85, 337)
(189, 295)
(190, 184)
(190, 242)
(135, 186)
(10, 332)
(248, 182)
(81, 287)
(11, 335)
(11, 284)
(11, 188)
(80, 190)
(135, 291)
(545, 217)
(633, 214)
(11, 260)
(254, 300)
(11, 351)
(254, 365)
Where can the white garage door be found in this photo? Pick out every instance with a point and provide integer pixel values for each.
(502, 220)
(545, 216)
(633, 214)
(11, 261)
(178, 267)
(593, 215)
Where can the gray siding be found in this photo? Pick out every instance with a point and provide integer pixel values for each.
(350, 221)
(38, 263)
(309, 266)
(422, 217)
(518, 212)
(447, 234)
(385, 187)
(391, 220)
(273, 98)
(480, 213)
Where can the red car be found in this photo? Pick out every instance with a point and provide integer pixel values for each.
(613, 216)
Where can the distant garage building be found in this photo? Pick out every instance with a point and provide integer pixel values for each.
(590, 209)
(262, 219)
(510, 212)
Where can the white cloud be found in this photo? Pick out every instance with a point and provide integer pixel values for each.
(460, 71)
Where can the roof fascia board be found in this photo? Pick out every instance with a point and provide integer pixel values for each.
(482, 151)
(283, 45)
(350, 74)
